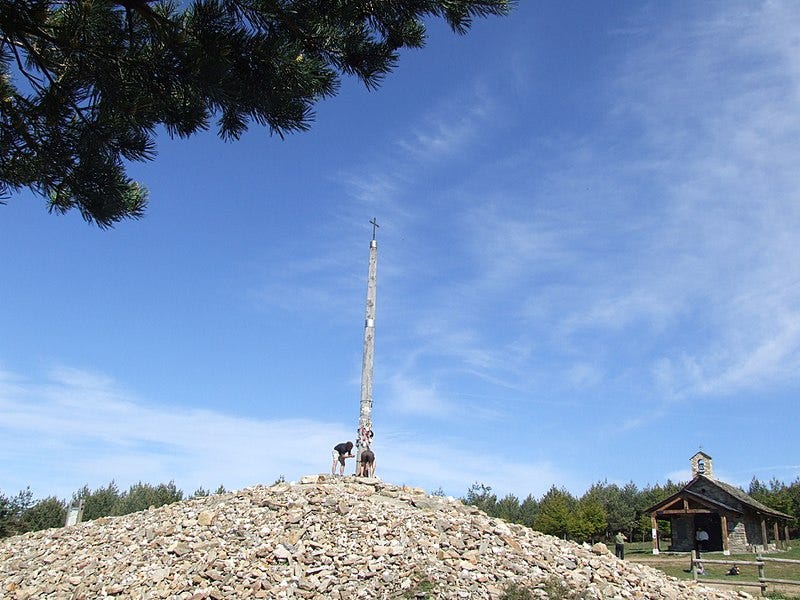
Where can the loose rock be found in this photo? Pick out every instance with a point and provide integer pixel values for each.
(324, 537)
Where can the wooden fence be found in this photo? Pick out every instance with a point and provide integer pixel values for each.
(760, 562)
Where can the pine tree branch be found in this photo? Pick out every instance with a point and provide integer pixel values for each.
(34, 81)
(53, 83)
(143, 10)
(96, 83)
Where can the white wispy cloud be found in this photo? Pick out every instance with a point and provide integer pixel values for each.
(76, 427)
(409, 397)
(715, 112)
(723, 120)
(681, 475)
(449, 128)
(668, 223)
(683, 237)
(449, 467)
(83, 428)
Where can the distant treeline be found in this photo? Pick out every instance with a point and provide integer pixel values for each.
(21, 513)
(607, 508)
(598, 515)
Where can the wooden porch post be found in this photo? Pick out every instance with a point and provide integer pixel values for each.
(786, 534)
(764, 539)
(725, 548)
(777, 535)
(654, 523)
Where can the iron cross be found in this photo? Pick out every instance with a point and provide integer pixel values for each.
(375, 225)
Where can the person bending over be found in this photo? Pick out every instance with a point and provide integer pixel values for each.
(366, 467)
(340, 453)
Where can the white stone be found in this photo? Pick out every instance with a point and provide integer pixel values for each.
(323, 538)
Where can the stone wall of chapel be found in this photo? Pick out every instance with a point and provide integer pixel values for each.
(737, 537)
(682, 534)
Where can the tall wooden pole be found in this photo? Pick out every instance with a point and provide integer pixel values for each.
(365, 415)
(654, 523)
(726, 550)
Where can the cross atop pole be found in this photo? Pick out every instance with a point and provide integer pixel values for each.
(365, 434)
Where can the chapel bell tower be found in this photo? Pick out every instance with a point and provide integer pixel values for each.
(702, 464)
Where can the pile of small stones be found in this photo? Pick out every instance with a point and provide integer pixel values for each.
(320, 538)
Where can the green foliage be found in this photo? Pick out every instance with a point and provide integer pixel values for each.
(422, 587)
(142, 496)
(782, 497)
(556, 513)
(619, 505)
(201, 492)
(758, 491)
(528, 510)
(84, 86)
(21, 513)
(508, 508)
(481, 496)
(555, 589)
(45, 514)
(590, 521)
(599, 514)
(98, 503)
(5, 516)
(109, 501)
(517, 592)
(12, 512)
(605, 508)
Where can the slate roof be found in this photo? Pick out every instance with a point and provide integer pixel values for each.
(741, 496)
(689, 494)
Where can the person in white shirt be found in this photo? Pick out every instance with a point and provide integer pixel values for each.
(700, 540)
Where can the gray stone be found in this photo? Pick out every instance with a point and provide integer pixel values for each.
(340, 538)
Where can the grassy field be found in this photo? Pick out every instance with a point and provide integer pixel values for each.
(678, 565)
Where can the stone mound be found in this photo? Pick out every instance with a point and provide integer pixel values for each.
(320, 538)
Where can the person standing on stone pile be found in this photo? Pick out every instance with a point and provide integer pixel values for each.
(366, 465)
(619, 544)
(340, 453)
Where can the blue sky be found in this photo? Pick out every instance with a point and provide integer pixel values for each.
(587, 270)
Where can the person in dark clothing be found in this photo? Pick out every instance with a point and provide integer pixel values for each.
(619, 544)
(366, 466)
(340, 453)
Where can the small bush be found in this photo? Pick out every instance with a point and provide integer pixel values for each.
(554, 587)
(517, 592)
(422, 588)
(557, 589)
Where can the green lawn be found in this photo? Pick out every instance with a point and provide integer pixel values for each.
(677, 565)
